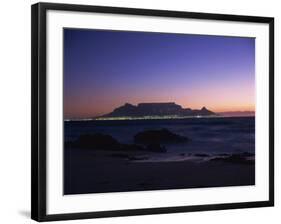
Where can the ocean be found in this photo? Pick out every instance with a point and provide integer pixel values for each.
(208, 135)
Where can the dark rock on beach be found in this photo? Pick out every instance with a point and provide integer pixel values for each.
(135, 158)
(119, 155)
(155, 148)
(222, 154)
(131, 147)
(158, 137)
(97, 141)
(246, 154)
(201, 155)
(108, 143)
(240, 158)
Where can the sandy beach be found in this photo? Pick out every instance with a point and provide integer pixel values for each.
(91, 171)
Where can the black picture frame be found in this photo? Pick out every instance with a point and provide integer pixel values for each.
(39, 124)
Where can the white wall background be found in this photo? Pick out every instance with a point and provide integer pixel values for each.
(15, 110)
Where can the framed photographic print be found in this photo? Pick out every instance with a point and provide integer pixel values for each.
(138, 111)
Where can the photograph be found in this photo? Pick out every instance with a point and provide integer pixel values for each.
(146, 111)
(141, 111)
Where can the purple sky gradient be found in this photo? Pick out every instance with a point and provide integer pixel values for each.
(105, 69)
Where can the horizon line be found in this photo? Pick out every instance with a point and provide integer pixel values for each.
(159, 118)
(169, 102)
(219, 113)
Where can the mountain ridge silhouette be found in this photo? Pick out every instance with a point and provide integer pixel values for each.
(156, 109)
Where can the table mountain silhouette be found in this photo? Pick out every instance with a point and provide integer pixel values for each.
(156, 109)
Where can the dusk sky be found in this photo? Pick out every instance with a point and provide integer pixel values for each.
(106, 69)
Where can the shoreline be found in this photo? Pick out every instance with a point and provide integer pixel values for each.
(93, 172)
(153, 118)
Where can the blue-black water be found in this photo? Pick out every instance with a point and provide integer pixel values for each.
(209, 136)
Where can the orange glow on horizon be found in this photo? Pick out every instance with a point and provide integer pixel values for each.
(89, 109)
(224, 108)
(217, 98)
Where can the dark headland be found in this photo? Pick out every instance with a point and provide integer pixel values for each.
(155, 110)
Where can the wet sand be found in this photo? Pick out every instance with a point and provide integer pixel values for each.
(90, 171)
